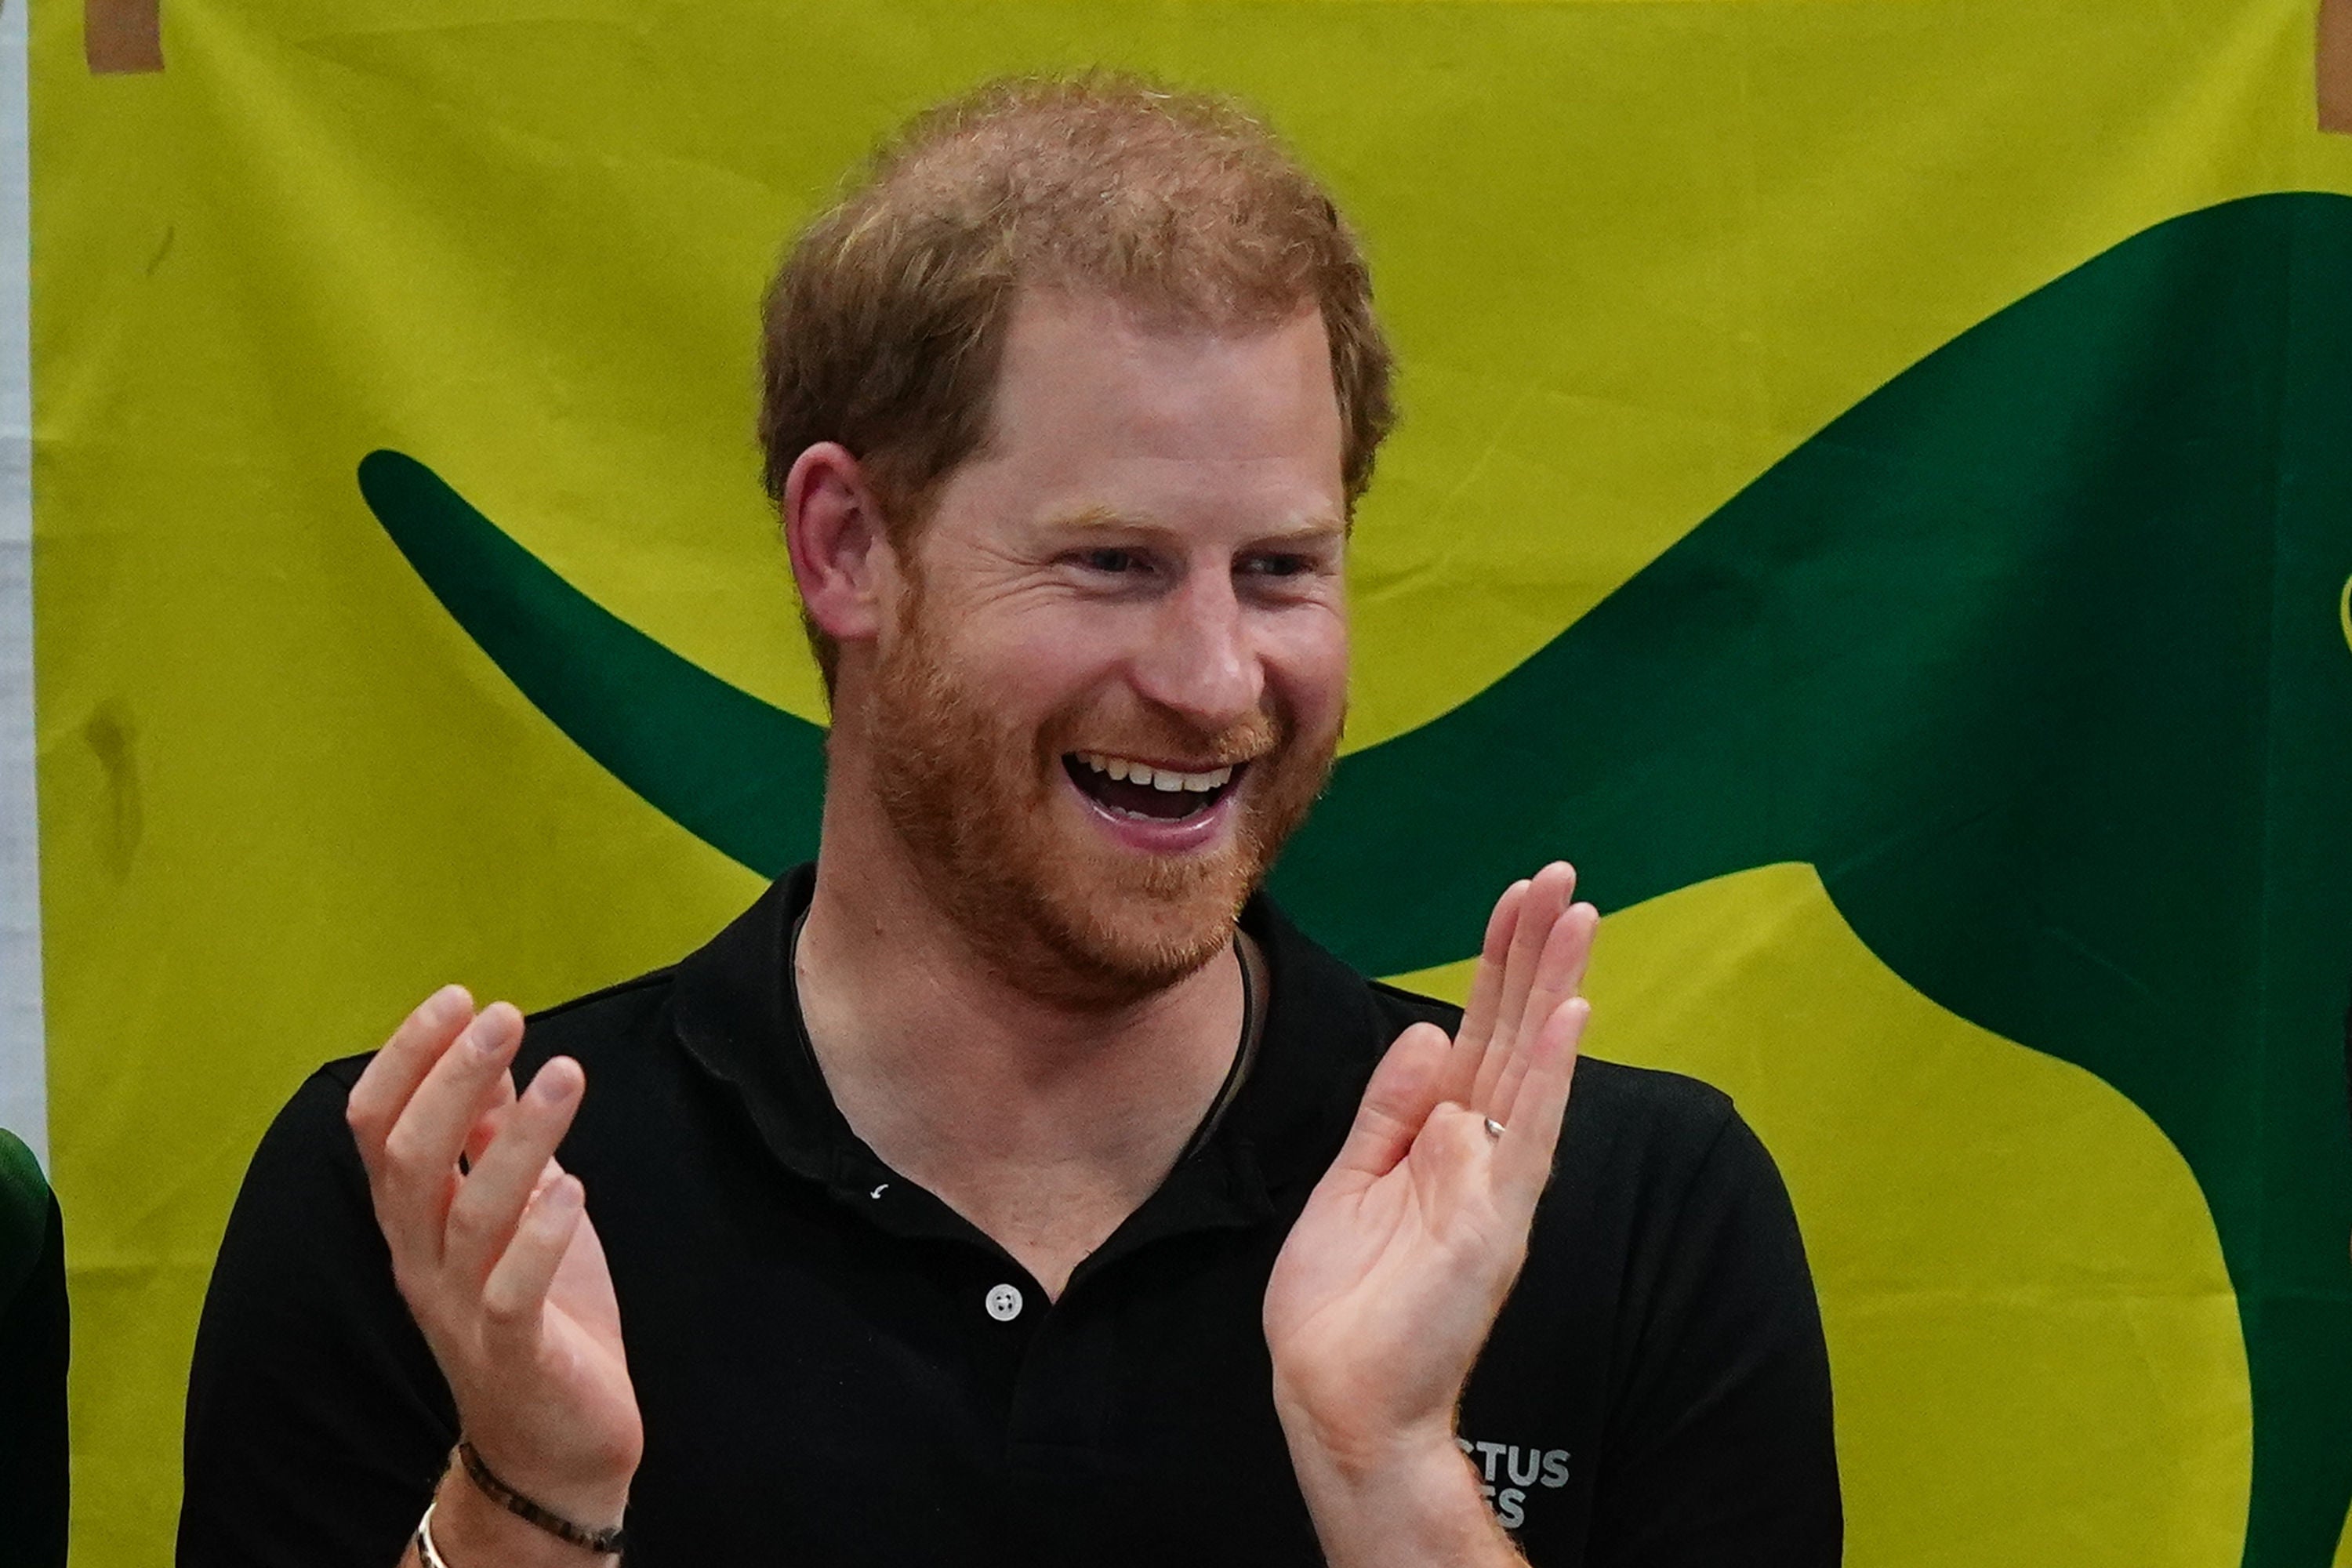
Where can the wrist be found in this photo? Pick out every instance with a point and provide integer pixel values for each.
(1407, 1498)
(473, 1531)
(1351, 1447)
(587, 1516)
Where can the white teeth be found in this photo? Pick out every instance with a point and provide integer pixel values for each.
(1165, 779)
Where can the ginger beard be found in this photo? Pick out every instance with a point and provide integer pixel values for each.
(1054, 904)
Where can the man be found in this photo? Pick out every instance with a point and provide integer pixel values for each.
(1015, 1184)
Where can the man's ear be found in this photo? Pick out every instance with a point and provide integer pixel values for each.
(840, 549)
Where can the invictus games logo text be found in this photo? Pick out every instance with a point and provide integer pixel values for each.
(1507, 1472)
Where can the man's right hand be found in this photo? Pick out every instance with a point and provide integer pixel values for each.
(496, 1259)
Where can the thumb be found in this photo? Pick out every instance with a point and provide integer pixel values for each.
(1404, 1088)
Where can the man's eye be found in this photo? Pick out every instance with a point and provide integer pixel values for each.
(1110, 561)
(1278, 565)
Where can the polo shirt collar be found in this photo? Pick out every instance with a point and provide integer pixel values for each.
(739, 1017)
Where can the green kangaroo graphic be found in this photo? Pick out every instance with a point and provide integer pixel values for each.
(2037, 654)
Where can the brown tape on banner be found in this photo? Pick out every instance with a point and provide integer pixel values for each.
(119, 37)
(2336, 66)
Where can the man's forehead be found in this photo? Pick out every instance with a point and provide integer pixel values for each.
(1051, 329)
(1088, 377)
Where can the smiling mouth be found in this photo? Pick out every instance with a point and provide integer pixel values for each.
(1147, 793)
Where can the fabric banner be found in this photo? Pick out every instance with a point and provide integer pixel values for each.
(1875, 491)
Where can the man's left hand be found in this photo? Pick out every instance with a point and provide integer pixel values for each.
(1387, 1288)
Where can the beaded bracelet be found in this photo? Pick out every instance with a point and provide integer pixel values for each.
(607, 1542)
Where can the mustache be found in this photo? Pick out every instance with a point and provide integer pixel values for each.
(1167, 737)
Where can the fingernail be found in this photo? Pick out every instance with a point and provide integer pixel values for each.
(483, 1037)
(561, 1198)
(550, 1087)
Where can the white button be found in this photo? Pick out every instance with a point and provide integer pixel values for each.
(1004, 1303)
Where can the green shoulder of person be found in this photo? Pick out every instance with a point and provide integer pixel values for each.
(33, 1349)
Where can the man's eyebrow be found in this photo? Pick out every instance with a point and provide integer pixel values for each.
(1307, 530)
(1312, 529)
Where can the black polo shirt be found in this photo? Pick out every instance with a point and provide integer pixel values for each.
(836, 1368)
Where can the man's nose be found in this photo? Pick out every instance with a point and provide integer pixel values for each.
(1200, 660)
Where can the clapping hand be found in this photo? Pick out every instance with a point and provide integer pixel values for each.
(497, 1259)
(1392, 1277)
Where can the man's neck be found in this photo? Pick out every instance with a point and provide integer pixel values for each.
(1044, 1123)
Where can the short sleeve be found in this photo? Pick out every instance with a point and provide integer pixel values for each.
(1722, 1451)
(318, 1424)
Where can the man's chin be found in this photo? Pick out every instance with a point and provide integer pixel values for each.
(1131, 931)
(1065, 913)
(1109, 975)
(1122, 924)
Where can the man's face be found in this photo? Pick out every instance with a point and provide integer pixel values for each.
(1117, 669)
